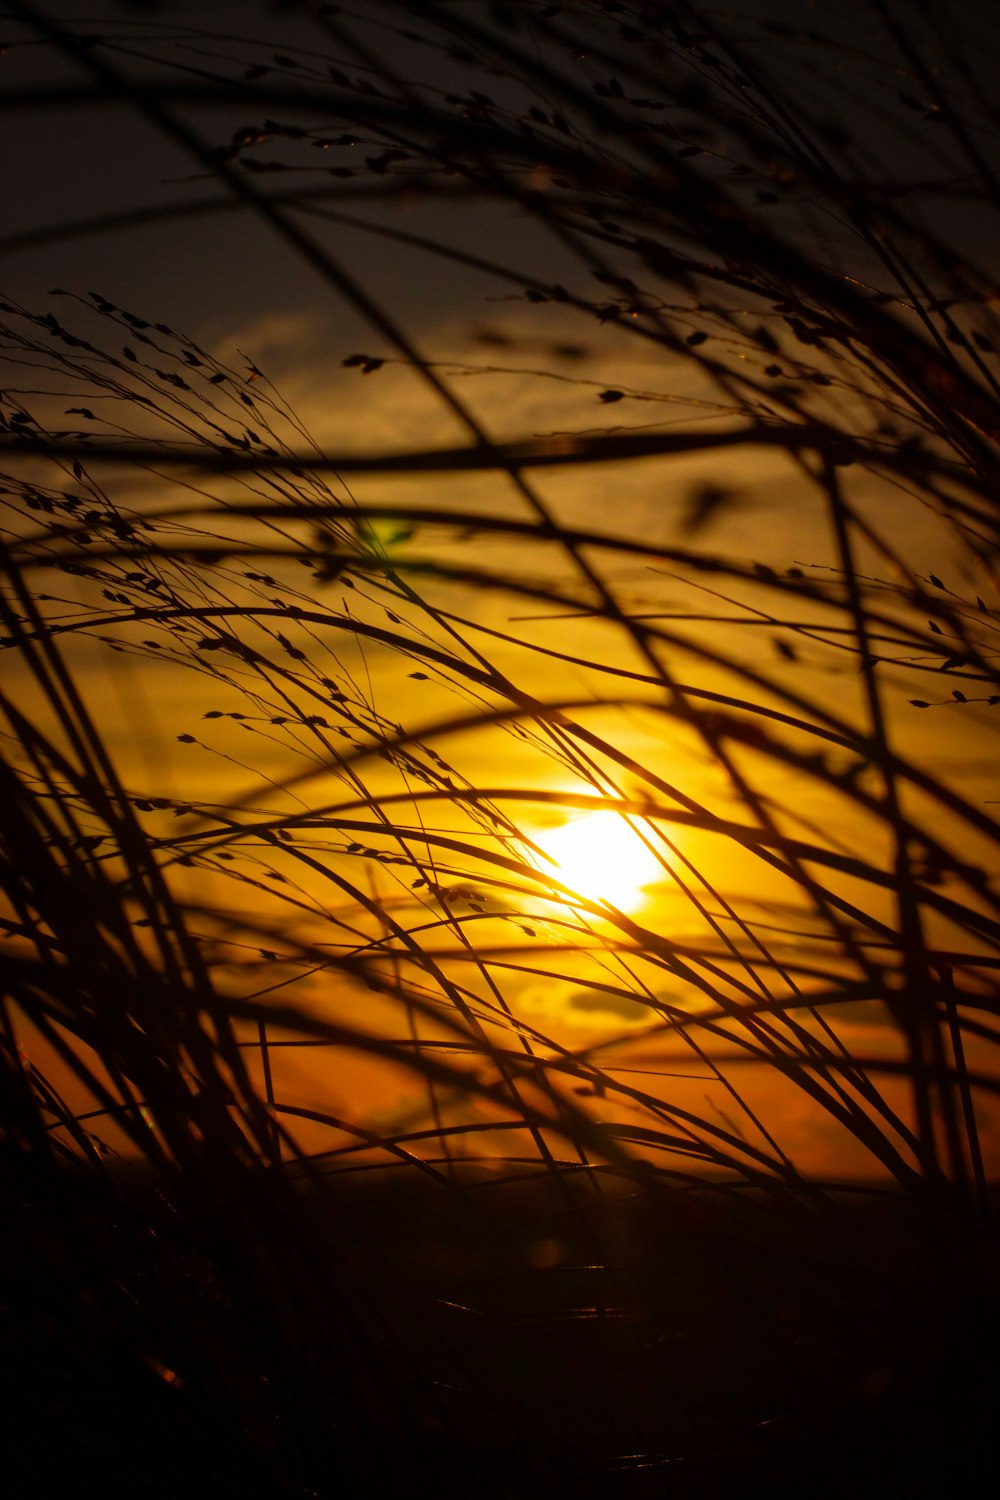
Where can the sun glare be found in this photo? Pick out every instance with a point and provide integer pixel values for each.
(601, 857)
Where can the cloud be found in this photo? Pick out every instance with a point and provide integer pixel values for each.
(595, 1002)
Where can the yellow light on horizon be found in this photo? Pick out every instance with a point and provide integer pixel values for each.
(600, 856)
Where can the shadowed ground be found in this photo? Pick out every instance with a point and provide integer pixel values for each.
(513, 1336)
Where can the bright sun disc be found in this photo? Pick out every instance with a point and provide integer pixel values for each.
(599, 856)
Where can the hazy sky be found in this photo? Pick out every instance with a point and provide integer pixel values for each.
(218, 271)
(230, 282)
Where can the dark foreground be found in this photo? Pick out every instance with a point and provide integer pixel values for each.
(509, 1337)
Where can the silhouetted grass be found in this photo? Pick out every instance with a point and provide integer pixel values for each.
(342, 1131)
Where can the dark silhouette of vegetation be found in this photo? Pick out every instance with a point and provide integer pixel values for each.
(340, 1127)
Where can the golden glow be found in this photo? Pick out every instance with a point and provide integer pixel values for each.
(600, 856)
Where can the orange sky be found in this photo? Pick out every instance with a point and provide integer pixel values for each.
(515, 692)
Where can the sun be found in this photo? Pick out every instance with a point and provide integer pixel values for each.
(599, 856)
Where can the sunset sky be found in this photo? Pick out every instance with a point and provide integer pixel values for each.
(525, 369)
